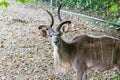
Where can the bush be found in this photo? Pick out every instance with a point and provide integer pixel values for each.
(100, 7)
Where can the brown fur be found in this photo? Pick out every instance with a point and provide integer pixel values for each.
(86, 52)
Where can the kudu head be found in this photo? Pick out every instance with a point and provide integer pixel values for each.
(55, 33)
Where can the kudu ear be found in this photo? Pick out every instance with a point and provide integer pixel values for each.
(64, 28)
(48, 28)
(43, 31)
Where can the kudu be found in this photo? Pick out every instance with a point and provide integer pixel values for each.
(84, 52)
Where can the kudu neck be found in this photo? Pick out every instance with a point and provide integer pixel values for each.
(66, 46)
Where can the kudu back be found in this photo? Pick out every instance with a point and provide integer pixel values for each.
(84, 51)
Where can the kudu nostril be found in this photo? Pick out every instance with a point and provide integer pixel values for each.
(56, 42)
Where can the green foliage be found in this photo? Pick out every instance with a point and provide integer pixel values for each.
(84, 3)
(107, 8)
(70, 3)
(116, 77)
(113, 8)
(22, 1)
(4, 3)
(93, 4)
(30, 1)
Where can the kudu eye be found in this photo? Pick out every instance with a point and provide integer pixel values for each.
(59, 35)
(50, 35)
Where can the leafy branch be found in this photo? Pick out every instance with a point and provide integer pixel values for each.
(6, 4)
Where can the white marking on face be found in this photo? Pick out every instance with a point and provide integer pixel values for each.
(55, 51)
(55, 41)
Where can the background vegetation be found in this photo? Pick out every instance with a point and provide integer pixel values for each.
(107, 9)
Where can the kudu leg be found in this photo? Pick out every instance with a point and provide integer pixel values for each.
(118, 69)
(79, 76)
(82, 75)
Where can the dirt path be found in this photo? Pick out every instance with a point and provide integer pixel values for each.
(24, 53)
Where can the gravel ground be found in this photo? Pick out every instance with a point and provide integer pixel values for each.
(26, 55)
